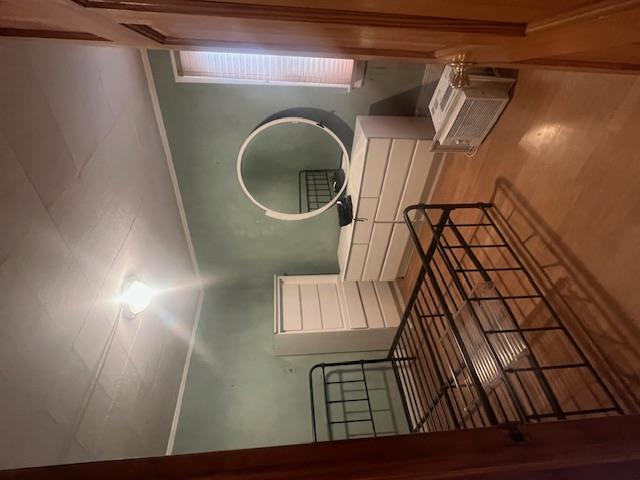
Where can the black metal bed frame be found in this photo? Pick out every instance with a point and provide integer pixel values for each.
(315, 187)
(479, 343)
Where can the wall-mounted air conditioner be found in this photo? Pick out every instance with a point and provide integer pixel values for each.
(463, 117)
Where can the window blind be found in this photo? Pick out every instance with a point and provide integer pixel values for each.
(225, 67)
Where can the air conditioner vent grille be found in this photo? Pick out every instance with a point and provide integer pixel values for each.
(475, 118)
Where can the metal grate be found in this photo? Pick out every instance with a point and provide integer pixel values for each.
(315, 189)
(361, 400)
(475, 117)
(479, 343)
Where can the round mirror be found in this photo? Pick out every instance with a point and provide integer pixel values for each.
(293, 168)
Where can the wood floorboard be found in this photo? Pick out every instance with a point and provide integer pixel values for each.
(563, 165)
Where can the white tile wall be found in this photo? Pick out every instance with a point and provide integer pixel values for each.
(85, 200)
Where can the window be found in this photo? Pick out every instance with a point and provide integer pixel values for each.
(257, 69)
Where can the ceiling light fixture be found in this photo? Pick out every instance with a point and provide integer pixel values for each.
(136, 296)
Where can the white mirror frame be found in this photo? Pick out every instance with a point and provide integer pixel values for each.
(294, 216)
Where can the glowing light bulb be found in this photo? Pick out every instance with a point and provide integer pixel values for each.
(136, 296)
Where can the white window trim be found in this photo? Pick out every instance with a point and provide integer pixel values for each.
(357, 78)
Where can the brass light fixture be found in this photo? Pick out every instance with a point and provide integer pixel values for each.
(459, 74)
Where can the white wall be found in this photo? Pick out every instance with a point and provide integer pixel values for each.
(85, 199)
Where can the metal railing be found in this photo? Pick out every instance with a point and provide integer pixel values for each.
(479, 343)
(315, 189)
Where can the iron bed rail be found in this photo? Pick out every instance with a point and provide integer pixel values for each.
(479, 343)
(315, 189)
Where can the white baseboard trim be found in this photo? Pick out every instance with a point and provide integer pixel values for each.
(185, 226)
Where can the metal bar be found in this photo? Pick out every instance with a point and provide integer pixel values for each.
(547, 367)
(427, 415)
(439, 392)
(496, 395)
(300, 173)
(522, 330)
(453, 372)
(431, 400)
(451, 247)
(403, 400)
(318, 188)
(410, 383)
(457, 261)
(313, 404)
(366, 389)
(344, 381)
(348, 400)
(553, 311)
(473, 224)
(404, 385)
(569, 413)
(489, 269)
(335, 422)
(357, 362)
(486, 278)
(546, 387)
(408, 342)
(505, 297)
(426, 257)
(405, 315)
(526, 393)
(447, 206)
(446, 286)
(445, 385)
(460, 342)
(326, 404)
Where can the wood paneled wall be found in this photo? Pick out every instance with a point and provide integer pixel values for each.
(603, 448)
(567, 34)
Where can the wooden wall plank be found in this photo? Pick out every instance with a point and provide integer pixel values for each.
(377, 251)
(395, 178)
(330, 306)
(358, 153)
(67, 15)
(376, 164)
(602, 448)
(388, 304)
(51, 34)
(370, 304)
(501, 10)
(357, 257)
(497, 34)
(418, 172)
(592, 28)
(357, 317)
(366, 214)
(308, 14)
(291, 315)
(396, 252)
(310, 306)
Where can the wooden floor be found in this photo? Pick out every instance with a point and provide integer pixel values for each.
(563, 164)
